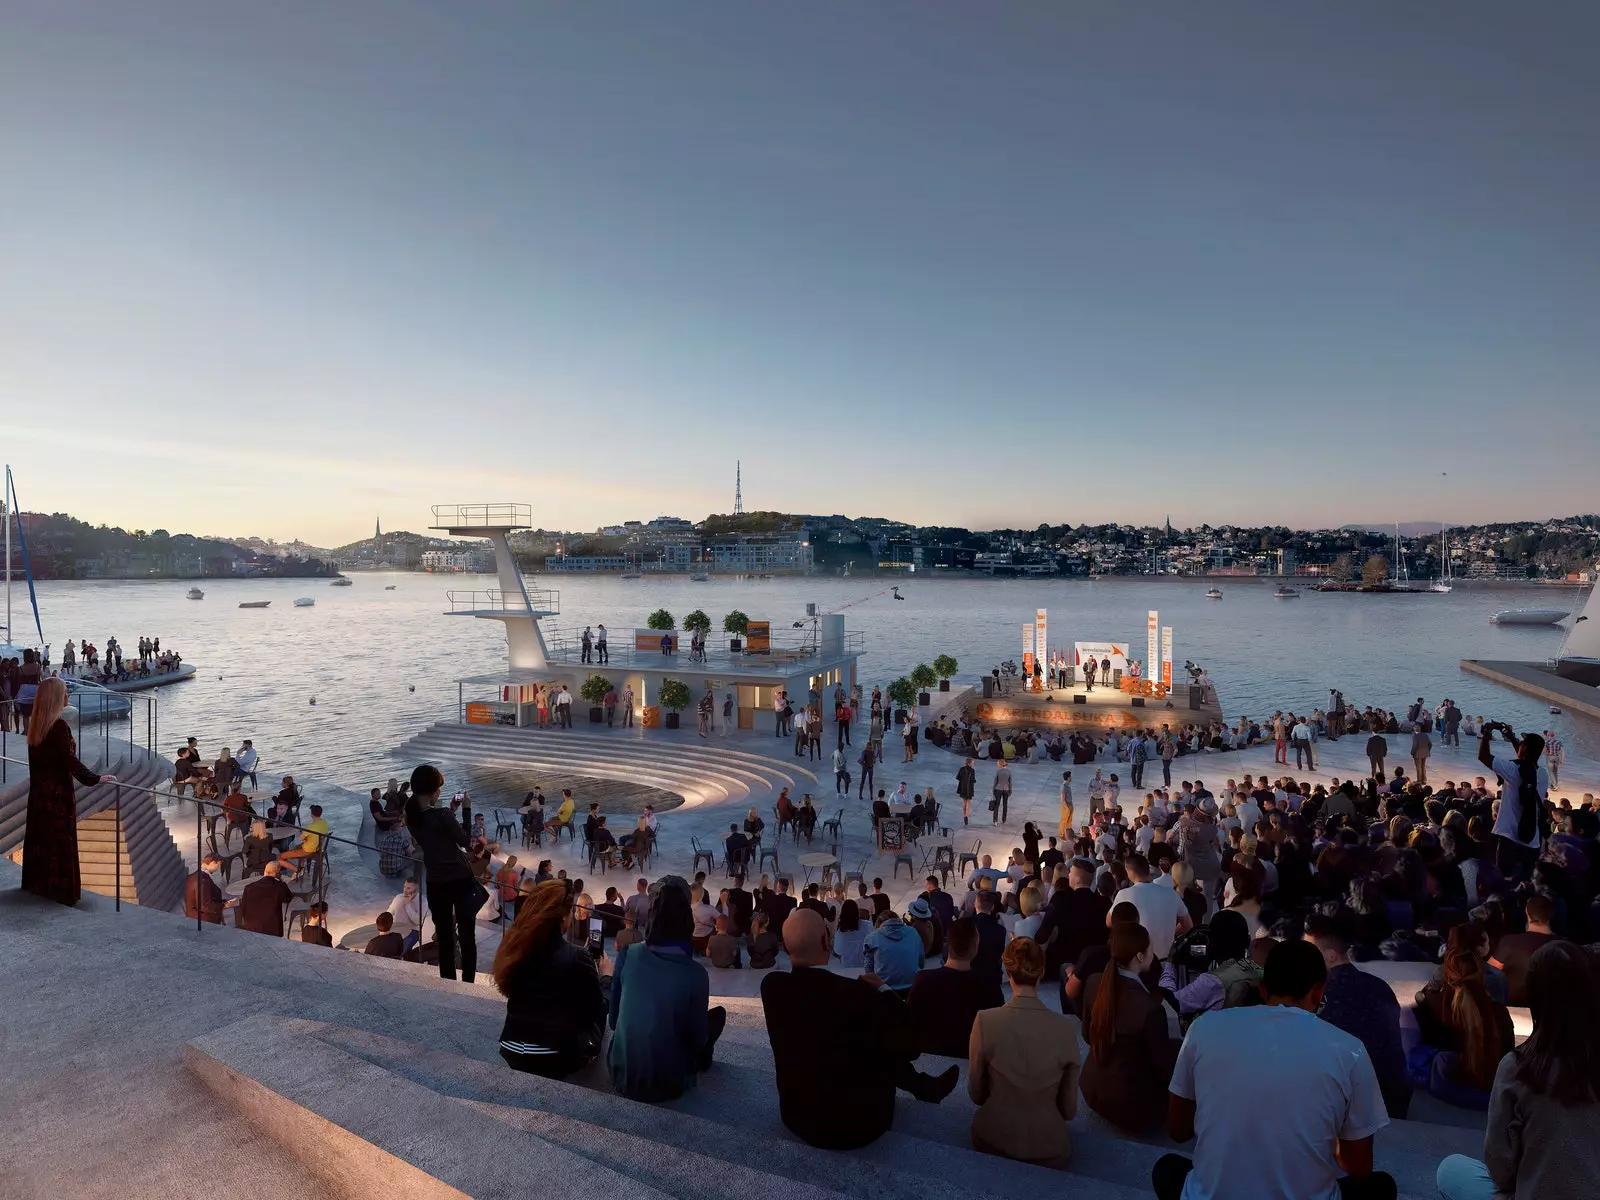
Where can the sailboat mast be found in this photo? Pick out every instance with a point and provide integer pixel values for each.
(5, 504)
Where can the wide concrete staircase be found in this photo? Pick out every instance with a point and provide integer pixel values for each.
(702, 772)
(228, 1057)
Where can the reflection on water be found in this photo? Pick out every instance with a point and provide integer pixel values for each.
(381, 665)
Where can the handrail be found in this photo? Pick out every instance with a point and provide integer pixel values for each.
(534, 600)
(504, 515)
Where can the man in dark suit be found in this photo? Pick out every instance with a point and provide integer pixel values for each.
(201, 896)
(779, 905)
(840, 1046)
(945, 1000)
(741, 906)
(986, 969)
(263, 904)
(737, 847)
(1077, 916)
(942, 903)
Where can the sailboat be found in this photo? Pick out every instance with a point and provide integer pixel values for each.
(1579, 657)
(1446, 577)
(9, 647)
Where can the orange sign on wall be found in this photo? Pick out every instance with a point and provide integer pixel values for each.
(758, 638)
(1077, 715)
(480, 714)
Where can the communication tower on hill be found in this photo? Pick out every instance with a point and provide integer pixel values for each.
(738, 492)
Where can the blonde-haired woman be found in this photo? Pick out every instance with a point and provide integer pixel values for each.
(555, 1006)
(50, 845)
(1022, 1068)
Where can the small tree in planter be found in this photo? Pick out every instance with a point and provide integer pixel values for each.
(736, 625)
(661, 619)
(944, 667)
(902, 694)
(922, 678)
(674, 698)
(594, 690)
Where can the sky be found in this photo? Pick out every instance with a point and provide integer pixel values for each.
(279, 269)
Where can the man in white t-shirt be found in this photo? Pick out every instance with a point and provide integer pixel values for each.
(1161, 909)
(1315, 1079)
(1518, 836)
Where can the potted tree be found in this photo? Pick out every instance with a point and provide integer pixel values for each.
(594, 690)
(674, 698)
(902, 694)
(944, 666)
(661, 619)
(735, 624)
(922, 678)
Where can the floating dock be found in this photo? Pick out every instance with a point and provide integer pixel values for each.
(1537, 679)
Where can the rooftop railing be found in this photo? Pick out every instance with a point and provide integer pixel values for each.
(539, 600)
(782, 657)
(482, 516)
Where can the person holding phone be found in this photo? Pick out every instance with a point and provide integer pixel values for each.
(454, 896)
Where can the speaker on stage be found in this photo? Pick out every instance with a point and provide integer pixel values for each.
(1116, 677)
(1072, 676)
(1079, 698)
(1138, 701)
(1195, 696)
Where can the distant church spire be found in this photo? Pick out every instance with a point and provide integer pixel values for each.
(378, 528)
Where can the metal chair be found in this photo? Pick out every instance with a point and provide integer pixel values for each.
(830, 873)
(773, 855)
(944, 862)
(504, 826)
(859, 875)
(832, 825)
(908, 861)
(736, 864)
(968, 855)
(709, 856)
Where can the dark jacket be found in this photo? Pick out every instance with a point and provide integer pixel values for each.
(262, 905)
(741, 905)
(943, 905)
(778, 907)
(203, 898)
(943, 1004)
(1077, 917)
(556, 1003)
(659, 1002)
(1129, 1087)
(443, 842)
(386, 945)
(836, 1046)
(966, 782)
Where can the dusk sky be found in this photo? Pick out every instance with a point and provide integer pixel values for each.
(274, 268)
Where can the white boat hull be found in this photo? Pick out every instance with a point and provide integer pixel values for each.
(1529, 616)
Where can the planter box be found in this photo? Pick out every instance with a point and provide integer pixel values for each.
(735, 646)
(899, 716)
(944, 685)
(596, 714)
(924, 699)
(672, 720)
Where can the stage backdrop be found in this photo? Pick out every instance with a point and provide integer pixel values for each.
(1117, 652)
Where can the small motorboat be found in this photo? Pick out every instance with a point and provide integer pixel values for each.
(699, 577)
(1529, 616)
(341, 582)
(1213, 593)
(388, 587)
(630, 575)
(304, 602)
(196, 594)
(1285, 593)
(254, 603)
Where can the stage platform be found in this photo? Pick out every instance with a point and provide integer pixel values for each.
(1101, 708)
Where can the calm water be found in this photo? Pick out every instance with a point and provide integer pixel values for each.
(382, 665)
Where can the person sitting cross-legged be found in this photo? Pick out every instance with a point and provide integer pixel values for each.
(840, 1046)
(1313, 1077)
(663, 1033)
(387, 943)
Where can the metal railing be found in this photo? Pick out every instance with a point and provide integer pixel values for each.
(482, 516)
(104, 714)
(782, 658)
(538, 601)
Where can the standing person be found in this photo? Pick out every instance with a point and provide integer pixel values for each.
(588, 645)
(454, 896)
(1001, 805)
(50, 843)
(1520, 823)
(1377, 751)
(1554, 755)
(627, 706)
(1545, 1103)
(841, 772)
(1022, 1068)
(1280, 740)
(1168, 746)
(966, 788)
(1305, 750)
(610, 703)
(1316, 1080)
(1335, 714)
(1452, 724)
(868, 757)
(704, 709)
(1089, 668)
(1421, 748)
(600, 645)
(814, 734)
(1066, 830)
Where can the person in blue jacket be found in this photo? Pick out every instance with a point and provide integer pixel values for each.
(893, 952)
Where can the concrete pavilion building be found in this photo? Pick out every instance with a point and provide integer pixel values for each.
(813, 652)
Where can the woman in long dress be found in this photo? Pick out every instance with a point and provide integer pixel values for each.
(50, 846)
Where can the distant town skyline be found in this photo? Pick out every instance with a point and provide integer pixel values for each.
(277, 270)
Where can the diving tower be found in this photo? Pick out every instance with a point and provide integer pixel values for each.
(514, 604)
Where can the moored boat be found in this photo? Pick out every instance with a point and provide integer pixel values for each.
(1213, 593)
(304, 602)
(254, 603)
(196, 594)
(1529, 616)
